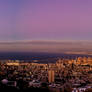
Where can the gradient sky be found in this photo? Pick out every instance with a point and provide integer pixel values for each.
(45, 20)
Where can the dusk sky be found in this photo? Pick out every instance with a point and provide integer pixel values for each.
(45, 20)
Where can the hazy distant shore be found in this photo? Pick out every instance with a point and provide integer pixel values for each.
(67, 47)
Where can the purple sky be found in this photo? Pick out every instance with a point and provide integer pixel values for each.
(45, 20)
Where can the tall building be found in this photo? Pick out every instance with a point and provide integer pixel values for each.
(51, 76)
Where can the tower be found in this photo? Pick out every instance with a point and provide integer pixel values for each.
(51, 76)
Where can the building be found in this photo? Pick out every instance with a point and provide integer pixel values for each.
(51, 76)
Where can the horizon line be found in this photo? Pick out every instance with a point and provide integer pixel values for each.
(46, 40)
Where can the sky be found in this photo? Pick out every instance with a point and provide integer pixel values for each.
(45, 20)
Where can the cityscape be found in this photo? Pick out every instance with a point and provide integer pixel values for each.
(64, 75)
(46, 45)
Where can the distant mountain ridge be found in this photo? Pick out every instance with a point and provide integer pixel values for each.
(47, 46)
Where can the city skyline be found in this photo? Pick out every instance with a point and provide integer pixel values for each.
(46, 45)
(45, 20)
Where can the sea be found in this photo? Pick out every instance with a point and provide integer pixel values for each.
(38, 56)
